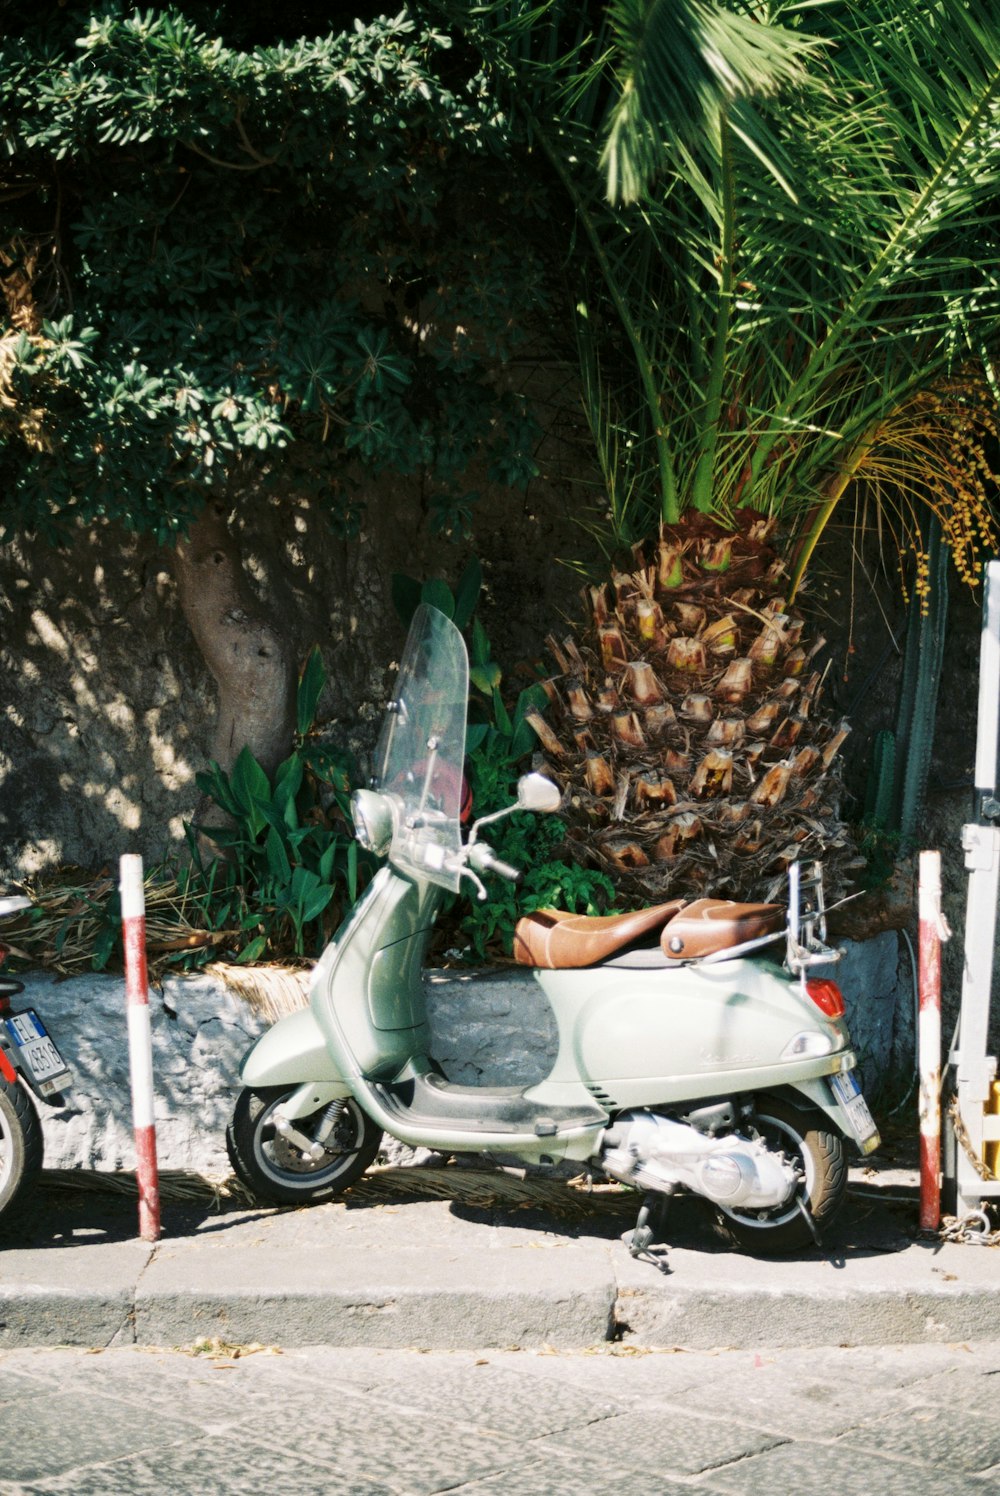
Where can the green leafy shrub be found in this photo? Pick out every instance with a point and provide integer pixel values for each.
(291, 865)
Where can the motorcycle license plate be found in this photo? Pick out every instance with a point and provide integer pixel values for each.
(855, 1108)
(36, 1051)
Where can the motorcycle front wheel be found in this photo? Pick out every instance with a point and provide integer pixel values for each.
(20, 1141)
(277, 1169)
(807, 1141)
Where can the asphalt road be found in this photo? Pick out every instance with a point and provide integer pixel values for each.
(893, 1421)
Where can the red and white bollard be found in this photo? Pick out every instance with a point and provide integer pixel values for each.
(933, 929)
(140, 1044)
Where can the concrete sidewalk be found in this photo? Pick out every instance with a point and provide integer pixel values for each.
(395, 1265)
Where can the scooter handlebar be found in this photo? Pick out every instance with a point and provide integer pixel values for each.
(485, 860)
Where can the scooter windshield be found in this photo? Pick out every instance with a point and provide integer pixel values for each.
(422, 749)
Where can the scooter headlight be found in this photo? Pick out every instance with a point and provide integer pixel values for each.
(372, 821)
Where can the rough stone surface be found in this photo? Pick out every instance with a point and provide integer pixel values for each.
(109, 707)
(200, 1032)
(488, 1028)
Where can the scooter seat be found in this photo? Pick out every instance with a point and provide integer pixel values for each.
(707, 926)
(554, 939)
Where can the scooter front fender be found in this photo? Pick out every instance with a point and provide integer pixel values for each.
(293, 1052)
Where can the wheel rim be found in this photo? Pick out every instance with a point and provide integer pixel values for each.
(781, 1135)
(283, 1161)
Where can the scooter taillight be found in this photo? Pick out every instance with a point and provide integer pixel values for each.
(827, 996)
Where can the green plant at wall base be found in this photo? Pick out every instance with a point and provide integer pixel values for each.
(290, 864)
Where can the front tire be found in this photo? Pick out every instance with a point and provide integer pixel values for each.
(20, 1142)
(806, 1139)
(276, 1169)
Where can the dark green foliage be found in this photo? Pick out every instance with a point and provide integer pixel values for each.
(291, 865)
(459, 606)
(881, 786)
(294, 256)
(900, 763)
(531, 843)
(922, 666)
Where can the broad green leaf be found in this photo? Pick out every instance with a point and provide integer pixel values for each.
(479, 648)
(277, 856)
(486, 677)
(215, 783)
(405, 593)
(253, 951)
(249, 785)
(475, 736)
(500, 713)
(467, 593)
(439, 595)
(315, 903)
(311, 683)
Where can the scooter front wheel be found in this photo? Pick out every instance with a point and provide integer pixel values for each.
(20, 1141)
(807, 1140)
(279, 1168)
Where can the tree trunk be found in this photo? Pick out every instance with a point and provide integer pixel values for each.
(252, 662)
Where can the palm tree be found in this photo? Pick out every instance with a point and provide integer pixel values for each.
(793, 301)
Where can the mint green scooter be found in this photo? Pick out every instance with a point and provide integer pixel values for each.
(688, 1058)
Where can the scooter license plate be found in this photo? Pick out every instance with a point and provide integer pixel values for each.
(847, 1092)
(36, 1051)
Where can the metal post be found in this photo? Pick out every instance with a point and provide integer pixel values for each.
(932, 931)
(975, 1069)
(140, 1045)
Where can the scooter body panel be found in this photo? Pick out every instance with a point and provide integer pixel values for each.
(367, 993)
(658, 1037)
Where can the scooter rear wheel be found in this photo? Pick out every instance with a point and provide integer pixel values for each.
(806, 1139)
(20, 1141)
(277, 1169)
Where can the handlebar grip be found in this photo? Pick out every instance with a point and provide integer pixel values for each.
(483, 858)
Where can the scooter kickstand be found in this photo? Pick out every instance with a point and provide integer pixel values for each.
(652, 1210)
(803, 1207)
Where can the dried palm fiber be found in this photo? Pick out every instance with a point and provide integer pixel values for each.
(707, 764)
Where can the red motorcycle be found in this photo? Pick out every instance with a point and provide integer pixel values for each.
(30, 1065)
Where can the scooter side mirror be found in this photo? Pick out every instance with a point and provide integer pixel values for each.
(535, 792)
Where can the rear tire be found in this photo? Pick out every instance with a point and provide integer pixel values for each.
(20, 1142)
(276, 1169)
(806, 1139)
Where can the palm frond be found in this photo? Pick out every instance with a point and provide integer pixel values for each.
(680, 65)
